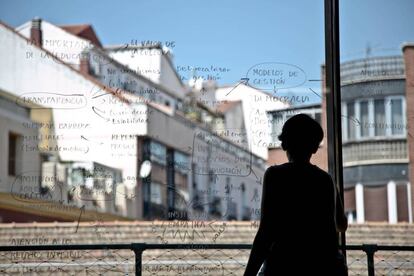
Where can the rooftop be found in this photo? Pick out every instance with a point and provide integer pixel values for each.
(83, 30)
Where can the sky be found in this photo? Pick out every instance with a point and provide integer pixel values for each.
(233, 36)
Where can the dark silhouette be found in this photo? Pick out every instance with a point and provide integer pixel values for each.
(301, 211)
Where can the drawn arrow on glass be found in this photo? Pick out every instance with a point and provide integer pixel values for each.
(96, 110)
(82, 209)
(258, 179)
(315, 93)
(134, 51)
(244, 81)
(353, 119)
(123, 47)
(83, 137)
(104, 94)
(97, 88)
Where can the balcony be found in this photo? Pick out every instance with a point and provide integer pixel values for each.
(231, 211)
(198, 203)
(246, 213)
(375, 152)
(215, 206)
(157, 211)
(390, 67)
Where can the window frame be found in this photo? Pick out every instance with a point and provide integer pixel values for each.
(359, 117)
(12, 164)
(404, 118)
(388, 134)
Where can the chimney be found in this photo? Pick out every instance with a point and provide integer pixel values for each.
(36, 32)
(84, 67)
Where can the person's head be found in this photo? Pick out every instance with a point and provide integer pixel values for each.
(300, 137)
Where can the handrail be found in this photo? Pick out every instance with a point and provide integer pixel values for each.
(151, 246)
(139, 248)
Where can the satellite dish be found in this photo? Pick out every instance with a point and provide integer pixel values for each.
(145, 169)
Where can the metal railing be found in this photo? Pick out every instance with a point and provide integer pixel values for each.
(138, 248)
(372, 68)
(374, 151)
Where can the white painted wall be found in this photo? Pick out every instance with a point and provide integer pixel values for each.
(98, 137)
(23, 76)
(29, 164)
(61, 43)
(151, 63)
(144, 61)
(255, 103)
(120, 76)
(169, 77)
(234, 121)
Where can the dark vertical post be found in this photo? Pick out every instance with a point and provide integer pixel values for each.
(170, 184)
(146, 182)
(370, 250)
(138, 248)
(333, 97)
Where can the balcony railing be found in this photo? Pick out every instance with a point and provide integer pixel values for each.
(374, 151)
(247, 213)
(198, 201)
(215, 206)
(165, 259)
(372, 68)
(231, 211)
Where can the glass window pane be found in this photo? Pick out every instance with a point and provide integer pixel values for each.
(12, 154)
(364, 118)
(351, 120)
(156, 195)
(397, 124)
(277, 124)
(181, 162)
(158, 153)
(318, 117)
(379, 117)
(376, 61)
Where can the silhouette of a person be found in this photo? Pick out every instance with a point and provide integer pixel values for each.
(301, 211)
